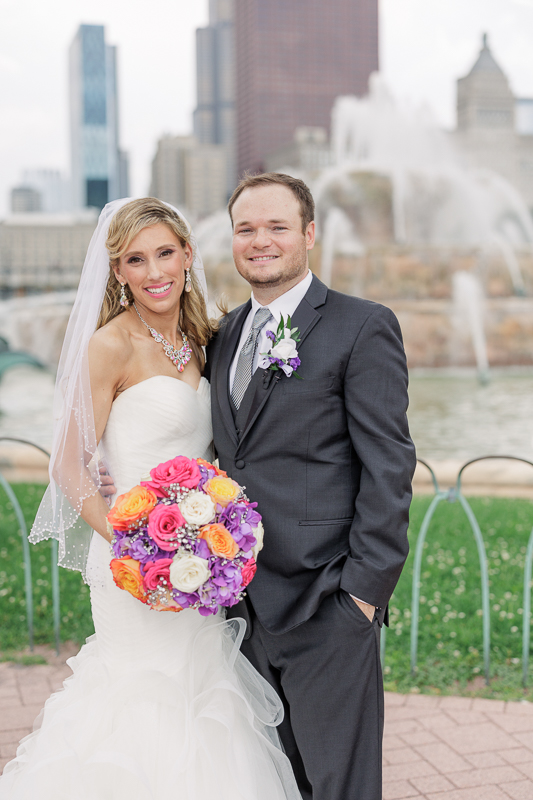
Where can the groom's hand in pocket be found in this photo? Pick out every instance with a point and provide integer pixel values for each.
(367, 609)
(107, 487)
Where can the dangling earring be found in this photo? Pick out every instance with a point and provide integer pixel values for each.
(188, 284)
(123, 299)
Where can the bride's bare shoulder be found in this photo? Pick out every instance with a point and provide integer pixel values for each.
(112, 341)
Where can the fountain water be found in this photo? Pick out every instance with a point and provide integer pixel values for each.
(337, 237)
(36, 324)
(468, 303)
(430, 196)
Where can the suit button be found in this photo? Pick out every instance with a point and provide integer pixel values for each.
(239, 464)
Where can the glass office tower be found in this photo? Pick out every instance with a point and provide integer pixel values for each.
(99, 173)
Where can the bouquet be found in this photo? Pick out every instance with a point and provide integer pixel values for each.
(186, 538)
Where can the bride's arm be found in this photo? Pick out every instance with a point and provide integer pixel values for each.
(108, 353)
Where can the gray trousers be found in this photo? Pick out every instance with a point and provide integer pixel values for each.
(327, 672)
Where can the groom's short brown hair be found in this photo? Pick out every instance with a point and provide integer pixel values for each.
(297, 187)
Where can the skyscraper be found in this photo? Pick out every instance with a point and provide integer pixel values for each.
(98, 172)
(292, 60)
(214, 116)
(189, 175)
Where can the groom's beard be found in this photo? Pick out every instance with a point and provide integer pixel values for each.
(284, 269)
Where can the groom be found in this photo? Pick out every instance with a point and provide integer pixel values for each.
(329, 460)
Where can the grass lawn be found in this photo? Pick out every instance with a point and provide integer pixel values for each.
(450, 627)
(76, 622)
(450, 640)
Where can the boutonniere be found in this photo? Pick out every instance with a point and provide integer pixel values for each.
(283, 354)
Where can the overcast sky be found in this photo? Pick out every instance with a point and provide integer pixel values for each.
(425, 46)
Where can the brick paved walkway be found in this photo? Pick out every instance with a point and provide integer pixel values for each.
(435, 748)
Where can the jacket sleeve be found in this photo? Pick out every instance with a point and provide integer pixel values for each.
(375, 389)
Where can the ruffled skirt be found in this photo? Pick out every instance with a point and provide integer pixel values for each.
(160, 705)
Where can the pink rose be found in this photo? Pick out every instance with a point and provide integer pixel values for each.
(154, 571)
(180, 470)
(249, 568)
(163, 523)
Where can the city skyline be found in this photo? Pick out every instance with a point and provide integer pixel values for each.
(425, 46)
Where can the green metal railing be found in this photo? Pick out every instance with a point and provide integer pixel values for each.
(453, 495)
(23, 529)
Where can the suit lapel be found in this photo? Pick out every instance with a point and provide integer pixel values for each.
(227, 347)
(304, 318)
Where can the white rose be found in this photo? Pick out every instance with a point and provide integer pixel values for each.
(285, 349)
(259, 534)
(187, 572)
(197, 509)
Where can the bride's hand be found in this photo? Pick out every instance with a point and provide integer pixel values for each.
(107, 486)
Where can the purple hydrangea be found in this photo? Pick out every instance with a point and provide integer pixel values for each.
(227, 579)
(121, 543)
(240, 519)
(201, 549)
(223, 586)
(206, 475)
(185, 599)
(145, 549)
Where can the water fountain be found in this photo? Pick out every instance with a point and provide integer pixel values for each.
(433, 198)
(399, 208)
(36, 324)
(468, 302)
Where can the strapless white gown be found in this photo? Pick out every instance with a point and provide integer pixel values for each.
(160, 706)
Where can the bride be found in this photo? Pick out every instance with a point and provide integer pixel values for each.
(160, 705)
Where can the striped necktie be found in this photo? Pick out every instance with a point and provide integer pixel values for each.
(243, 372)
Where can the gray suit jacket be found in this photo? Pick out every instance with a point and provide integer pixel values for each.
(328, 458)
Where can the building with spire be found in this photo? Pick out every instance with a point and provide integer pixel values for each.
(494, 128)
(98, 166)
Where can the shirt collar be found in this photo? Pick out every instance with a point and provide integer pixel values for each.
(287, 303)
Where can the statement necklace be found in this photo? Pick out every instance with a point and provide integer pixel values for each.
(179, 357)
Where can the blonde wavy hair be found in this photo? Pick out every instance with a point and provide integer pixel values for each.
(130, 220)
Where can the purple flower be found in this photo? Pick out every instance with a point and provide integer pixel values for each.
(224, 585)
(145, 549)
(206, 475)
(271, 335)
(201, 549)
(294, 362)
(227, 578)
(240, 519)
(185, 599)
(121, 544)
(206, 612)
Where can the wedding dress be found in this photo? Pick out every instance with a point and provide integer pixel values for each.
(161, 705)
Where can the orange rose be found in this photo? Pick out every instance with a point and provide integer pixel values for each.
(222, 490)
(207, 464)
(219, 540)
(131, 508)
(127, 575)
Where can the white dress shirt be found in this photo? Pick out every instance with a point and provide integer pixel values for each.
(286, 304)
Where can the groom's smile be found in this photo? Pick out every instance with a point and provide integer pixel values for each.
(269, 245)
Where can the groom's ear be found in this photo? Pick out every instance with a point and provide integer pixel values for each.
(310, 235)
